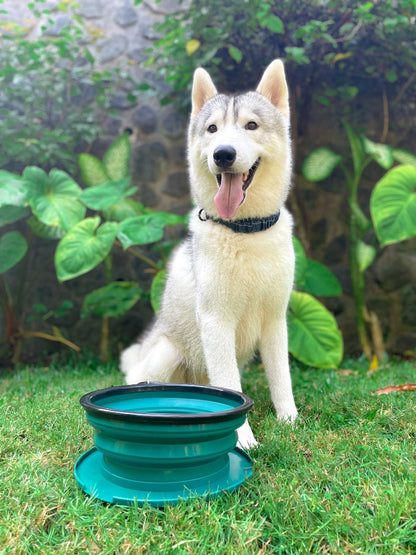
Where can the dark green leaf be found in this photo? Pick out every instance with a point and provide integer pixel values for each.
(140, 230)
(104, 196)
(274, 24)
(320, 281)
(112, 300)
(297, 54)
(301, 264)
(123, 209)
(235, 53)
(312, 276)
(314, 336)
(13, 248)
(11, 214)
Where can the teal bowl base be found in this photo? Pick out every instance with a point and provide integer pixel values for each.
(96, 482)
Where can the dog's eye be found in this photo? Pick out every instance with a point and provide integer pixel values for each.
(212, 128)
(251, 126)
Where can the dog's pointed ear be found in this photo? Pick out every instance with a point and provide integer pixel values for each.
(274, 87)
(202, 90)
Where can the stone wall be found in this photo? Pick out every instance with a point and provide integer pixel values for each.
(122, 32)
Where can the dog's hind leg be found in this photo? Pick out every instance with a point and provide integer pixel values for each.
(157, 360)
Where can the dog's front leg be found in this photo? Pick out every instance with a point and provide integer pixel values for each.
(218, 343)
(275, 357)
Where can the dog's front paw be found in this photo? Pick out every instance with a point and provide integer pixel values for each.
(246, 439)
(288, 413)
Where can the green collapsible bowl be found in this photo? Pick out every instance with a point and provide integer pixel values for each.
(159, 443)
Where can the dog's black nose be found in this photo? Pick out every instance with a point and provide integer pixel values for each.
(224, 156)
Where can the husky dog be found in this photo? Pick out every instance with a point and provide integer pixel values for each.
(229, 282)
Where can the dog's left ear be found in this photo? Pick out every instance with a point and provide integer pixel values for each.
(202, 90)
(274, 87)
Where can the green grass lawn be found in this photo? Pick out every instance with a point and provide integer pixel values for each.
(341, 480)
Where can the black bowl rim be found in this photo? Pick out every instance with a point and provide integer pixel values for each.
(87, 402)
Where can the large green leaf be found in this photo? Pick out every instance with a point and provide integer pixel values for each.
(117, 158)
(13, 248)
(140, 230)
(312, 276)
(314, 336)
(145, 229)
(103, 196)
(123, 209)
(112, 300)
(319, 280)
(93, 171)
(320, 164)
(393, 205)
(53, 198)
(157, 288)
(84, 247)
(382, 154)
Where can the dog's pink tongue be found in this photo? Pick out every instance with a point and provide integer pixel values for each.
(230, 194)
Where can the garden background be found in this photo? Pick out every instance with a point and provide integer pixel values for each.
(93, 153)
(76, 76)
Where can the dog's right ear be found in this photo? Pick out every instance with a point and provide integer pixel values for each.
(202, 90)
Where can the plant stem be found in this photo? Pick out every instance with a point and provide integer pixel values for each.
(105, 333)
(140, 256)
(23, 333)
(11, 322)
(357, 282)
(357, 277)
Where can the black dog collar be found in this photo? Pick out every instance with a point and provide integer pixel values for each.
(247, 225)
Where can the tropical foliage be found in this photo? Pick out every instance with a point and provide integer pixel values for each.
(393, 212)
(87, 224)
(322, 44)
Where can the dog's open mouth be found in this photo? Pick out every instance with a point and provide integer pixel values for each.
(232, 190)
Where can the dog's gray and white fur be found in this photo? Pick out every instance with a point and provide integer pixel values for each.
(227, 292)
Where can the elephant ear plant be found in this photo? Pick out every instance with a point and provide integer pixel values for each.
(55, 207)
(393, 215)
(314, 336)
